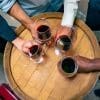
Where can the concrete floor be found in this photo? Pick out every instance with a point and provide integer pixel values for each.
(90, 96)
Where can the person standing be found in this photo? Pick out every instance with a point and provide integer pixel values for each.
(23, 9)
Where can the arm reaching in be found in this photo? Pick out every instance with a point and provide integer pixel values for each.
(87, 65)
(70, 11)
(17, 12)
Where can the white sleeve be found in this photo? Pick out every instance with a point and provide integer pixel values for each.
(70, 11)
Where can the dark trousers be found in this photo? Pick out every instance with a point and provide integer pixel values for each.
(2, 44)
(93, 15)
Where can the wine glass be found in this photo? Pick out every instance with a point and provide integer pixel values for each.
(67, 66)
(43, 31)
(62, 44)
(35, 53)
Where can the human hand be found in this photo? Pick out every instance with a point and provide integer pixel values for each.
(84, 64)
(31, 28)
(63, 30)
(39, 26)
(23, 45)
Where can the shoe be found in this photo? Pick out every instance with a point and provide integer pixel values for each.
(2, 45)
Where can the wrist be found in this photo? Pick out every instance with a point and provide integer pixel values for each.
(68, 30)
(92, 64)
(29, 23)
(30, 26)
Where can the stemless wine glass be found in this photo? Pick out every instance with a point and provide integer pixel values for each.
(67, 66)
(43, 31)
(62, 44)
(35, 53)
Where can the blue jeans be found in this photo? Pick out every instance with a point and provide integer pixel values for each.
(93, 15)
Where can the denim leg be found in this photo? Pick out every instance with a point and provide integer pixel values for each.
(93, 15)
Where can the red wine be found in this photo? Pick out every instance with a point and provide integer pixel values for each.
(43, 32)
(35, 50)
(64, 42)
(68, 65)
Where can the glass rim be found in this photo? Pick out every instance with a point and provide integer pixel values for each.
(65, 73)
(48, 29)
(44, 40)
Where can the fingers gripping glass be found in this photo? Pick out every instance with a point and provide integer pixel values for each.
(63, 43)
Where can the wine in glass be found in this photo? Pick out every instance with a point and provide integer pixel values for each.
(62, 44)
(67, 66)
(43, 31)
(36, 53)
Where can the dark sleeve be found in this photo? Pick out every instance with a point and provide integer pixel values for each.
(6, 31)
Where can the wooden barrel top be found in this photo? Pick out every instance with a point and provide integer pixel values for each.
(43, 81)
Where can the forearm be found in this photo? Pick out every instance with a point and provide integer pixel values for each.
(95, 64)
(17, 12)
(70, 11)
